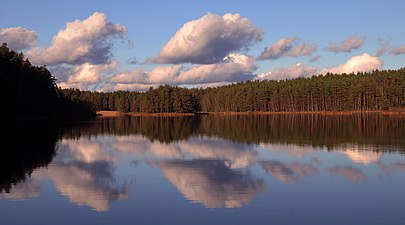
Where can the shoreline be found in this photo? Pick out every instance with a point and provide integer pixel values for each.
(332, 113)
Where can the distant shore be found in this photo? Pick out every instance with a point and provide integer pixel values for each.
(382, 112)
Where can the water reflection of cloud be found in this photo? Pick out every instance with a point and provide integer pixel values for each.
(290, 149)
(237, 155)
(212, 183)
(30, 188)
(288, 172)
(363, 157)
(91, 184)
(85, 150)
(387, 169)
(351, 174)
(399, 166)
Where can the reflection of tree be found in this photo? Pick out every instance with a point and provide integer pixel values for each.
(25, 147)
(382, 132)
(316, 130)
(91, 184)
(212, 183)
(289, 173)
(353, 175)
(162, 129)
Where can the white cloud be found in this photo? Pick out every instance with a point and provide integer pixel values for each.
(158, 75)
(290, 72)
(358, 63)
(87, 41)
(18, 38)
(83, 75)
(398, 50)
(287, 47)
(136, 76)
(209, 39)
(348, 45)
(232, 68)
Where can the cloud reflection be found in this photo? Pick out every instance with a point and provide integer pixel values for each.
(91, 184)
(212, 183)
(353, 175)
(28, 189)
(363, 157)
(288, 173)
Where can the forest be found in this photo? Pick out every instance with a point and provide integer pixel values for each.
(377, 90)
(28, 90)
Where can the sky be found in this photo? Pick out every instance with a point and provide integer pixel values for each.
(131, 45)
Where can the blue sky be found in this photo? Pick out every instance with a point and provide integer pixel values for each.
(151, 24)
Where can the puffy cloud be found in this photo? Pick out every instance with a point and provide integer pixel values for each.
(136, 76)
(290, 47)
(232, 68)
(83, 75)
(158, 75)
(18, 38)
(358, 63)
(209, 39)
(353, 175)
(398, 50)
(290, 72)
(212, 183)
(87, 41)
(348, 45)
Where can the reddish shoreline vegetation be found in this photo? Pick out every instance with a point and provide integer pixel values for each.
(30, 91)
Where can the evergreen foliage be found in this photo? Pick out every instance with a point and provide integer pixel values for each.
(30, 91)
(377, 90)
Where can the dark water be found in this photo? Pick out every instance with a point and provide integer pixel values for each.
(302, 169)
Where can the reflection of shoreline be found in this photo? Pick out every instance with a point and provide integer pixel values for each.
(382, 133)
(205, 166)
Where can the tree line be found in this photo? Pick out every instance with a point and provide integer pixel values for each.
(30, 91)
(27, 90)
(377, 90)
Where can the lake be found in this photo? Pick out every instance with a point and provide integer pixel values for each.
(268, 169)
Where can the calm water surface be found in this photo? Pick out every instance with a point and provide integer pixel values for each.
(280, 169)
